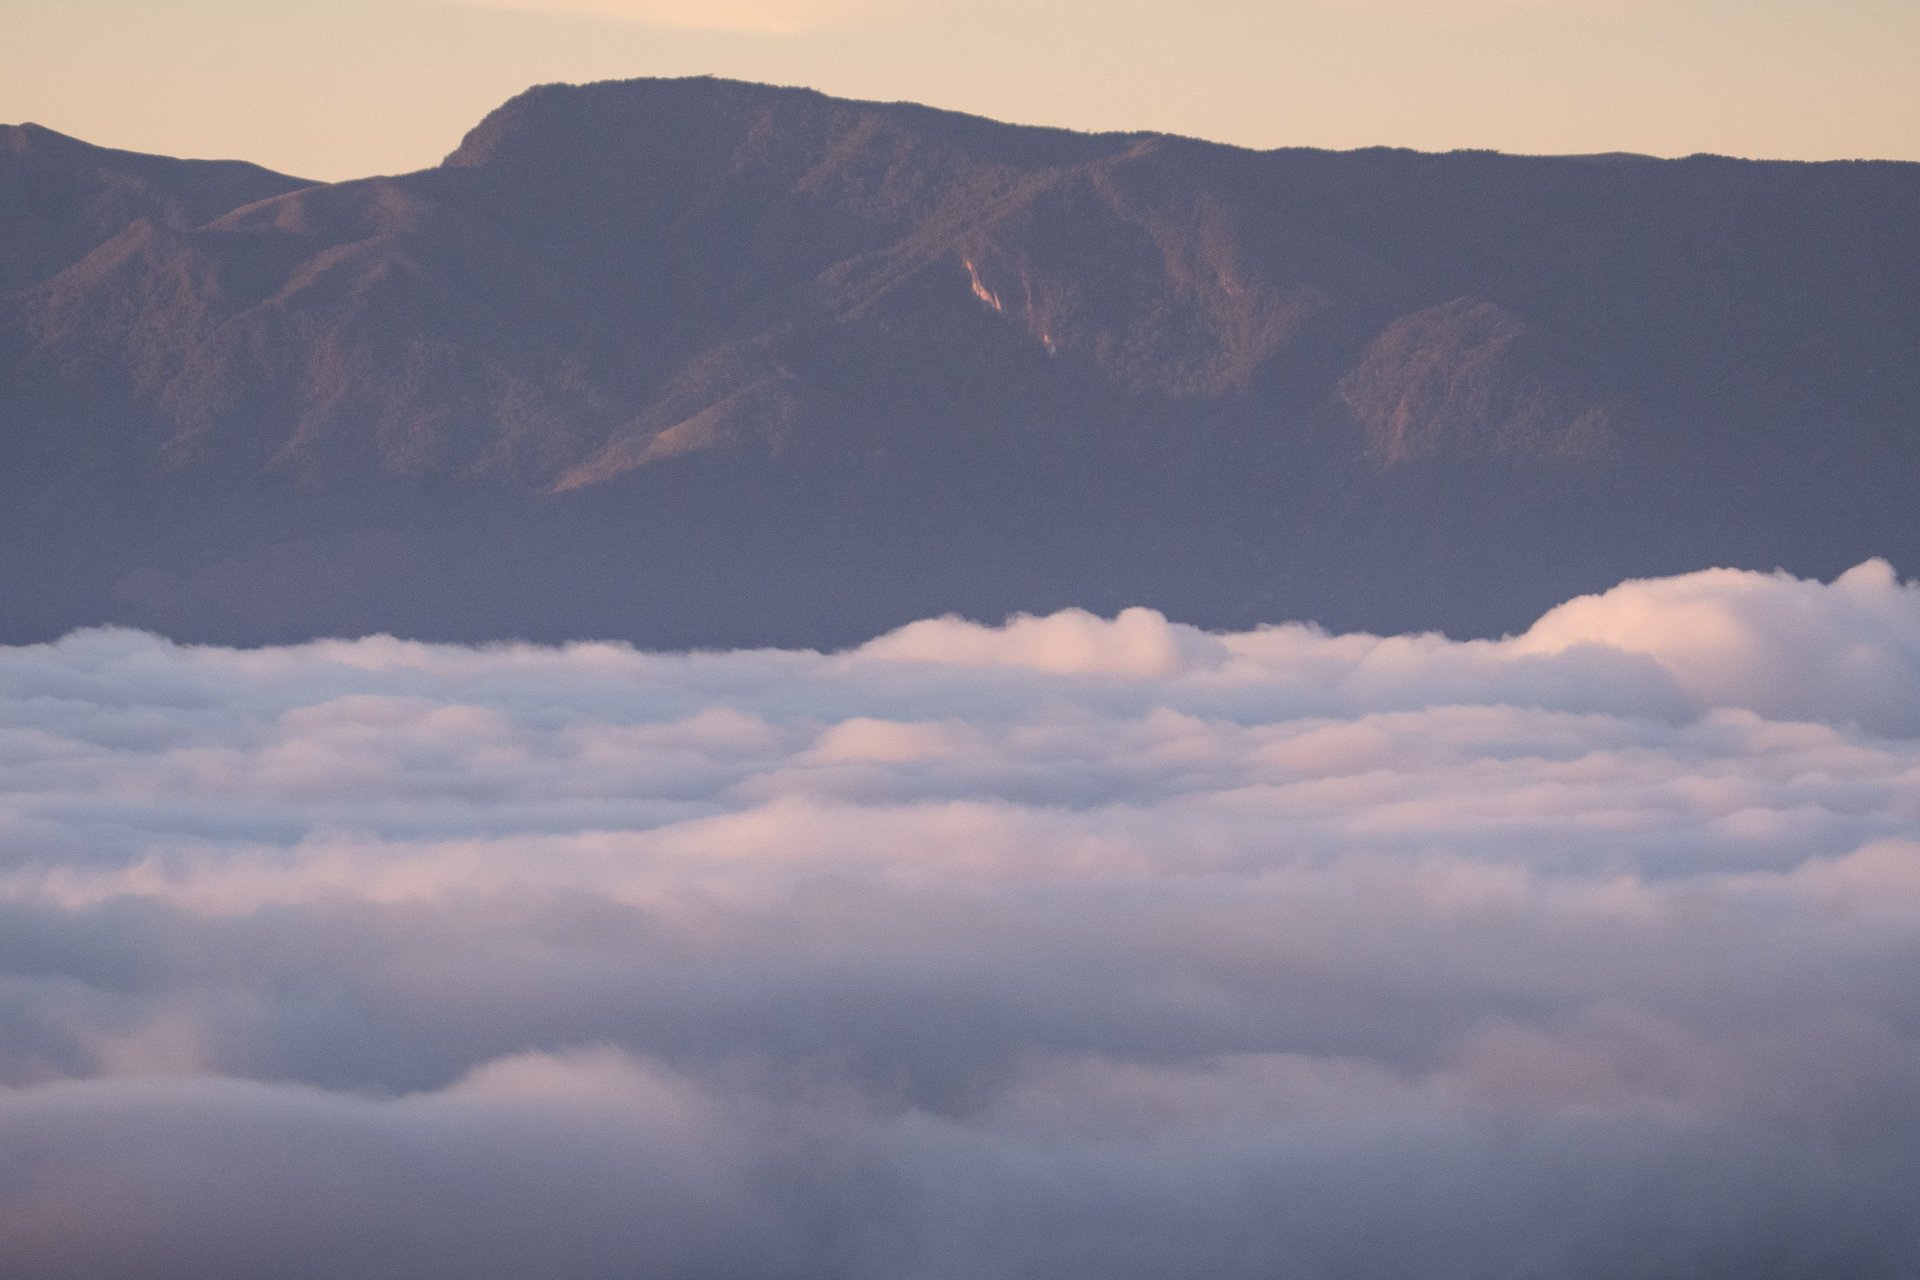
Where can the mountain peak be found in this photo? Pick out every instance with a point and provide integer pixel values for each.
(644, 118)
(28, 138)
(612, 112)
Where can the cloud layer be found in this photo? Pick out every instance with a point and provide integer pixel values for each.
(1067, 947)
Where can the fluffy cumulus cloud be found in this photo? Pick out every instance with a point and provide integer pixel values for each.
(1068, 947)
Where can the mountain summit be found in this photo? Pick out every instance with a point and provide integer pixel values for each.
(703, 362)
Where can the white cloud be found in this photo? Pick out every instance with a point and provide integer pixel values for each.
(1137, 643)
(1568, 954)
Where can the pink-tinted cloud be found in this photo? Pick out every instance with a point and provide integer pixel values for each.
(1074, 946)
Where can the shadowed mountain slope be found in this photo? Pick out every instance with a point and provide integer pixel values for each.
(700, 362)
(61, 198)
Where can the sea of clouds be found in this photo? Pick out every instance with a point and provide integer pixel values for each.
(1066, 948)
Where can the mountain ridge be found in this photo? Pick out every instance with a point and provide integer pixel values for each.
(683, 296)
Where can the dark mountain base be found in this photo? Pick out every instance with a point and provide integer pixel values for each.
(701, 554)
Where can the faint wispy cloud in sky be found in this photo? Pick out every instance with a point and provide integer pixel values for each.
(794, 17)
(752, 17)
(1484, 10)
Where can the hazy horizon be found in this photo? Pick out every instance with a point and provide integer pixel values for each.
(358, 89)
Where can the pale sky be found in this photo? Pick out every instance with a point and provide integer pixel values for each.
(342, 88)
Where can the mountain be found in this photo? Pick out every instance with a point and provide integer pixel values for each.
(696, 362)
(65, 198)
